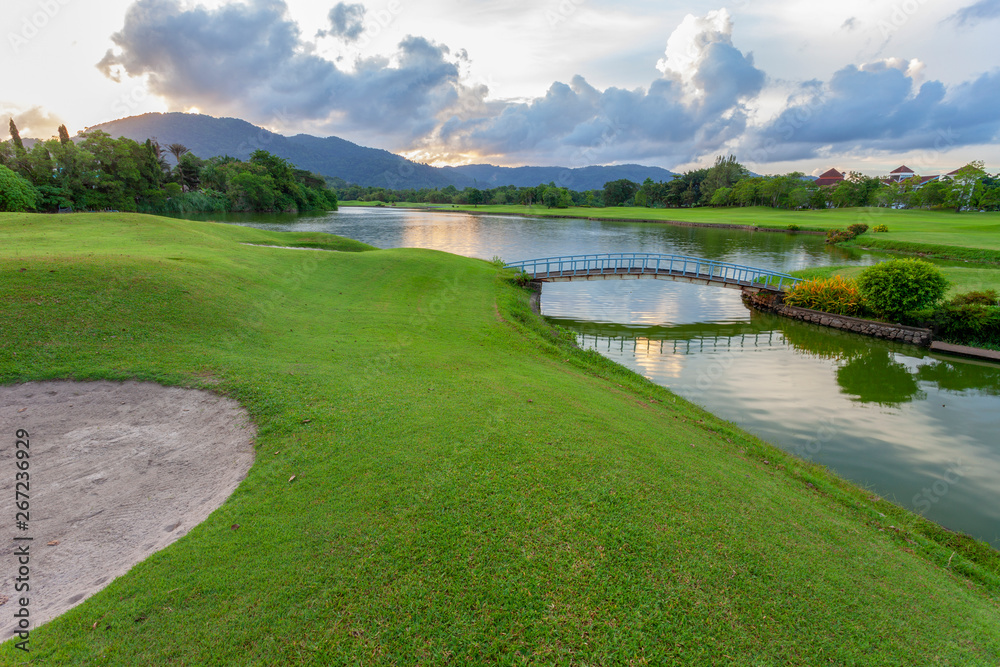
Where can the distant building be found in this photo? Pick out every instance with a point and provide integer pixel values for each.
(950, 176)
(903, 173)
(831, 177)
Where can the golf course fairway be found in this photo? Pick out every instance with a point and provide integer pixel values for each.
(440, 478)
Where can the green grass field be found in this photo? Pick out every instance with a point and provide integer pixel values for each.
(470, 488)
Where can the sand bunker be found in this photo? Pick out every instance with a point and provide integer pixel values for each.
(117, 472)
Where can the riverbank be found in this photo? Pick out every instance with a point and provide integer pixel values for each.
(441, 476)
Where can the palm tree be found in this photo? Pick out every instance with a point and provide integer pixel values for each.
(178, 150)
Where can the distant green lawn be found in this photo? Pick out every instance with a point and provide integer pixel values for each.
(470, 489)
(961, 278)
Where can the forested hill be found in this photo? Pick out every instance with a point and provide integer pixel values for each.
(207, 136)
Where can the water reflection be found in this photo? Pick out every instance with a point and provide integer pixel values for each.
(875, 377)
(890, 416)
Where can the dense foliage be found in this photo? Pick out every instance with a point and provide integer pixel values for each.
(900, 286)
(727, 183)
(972, 318)
(97, 172)
(16, 193)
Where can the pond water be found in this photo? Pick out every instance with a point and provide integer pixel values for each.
(914, 427)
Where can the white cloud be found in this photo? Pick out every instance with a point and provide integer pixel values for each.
(688, 44)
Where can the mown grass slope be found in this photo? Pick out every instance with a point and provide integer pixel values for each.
(469, 488)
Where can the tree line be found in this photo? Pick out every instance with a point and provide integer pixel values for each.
(97, 173)
(727, 183)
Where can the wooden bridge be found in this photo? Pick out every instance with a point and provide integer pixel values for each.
(641, 265)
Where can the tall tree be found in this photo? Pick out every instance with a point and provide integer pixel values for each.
(63, 135)
(962, 188)
(726, 173)
(15, 136)
(619, 192)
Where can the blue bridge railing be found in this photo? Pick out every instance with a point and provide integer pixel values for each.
(653, 264)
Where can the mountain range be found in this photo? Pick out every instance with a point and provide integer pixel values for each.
(336, 158)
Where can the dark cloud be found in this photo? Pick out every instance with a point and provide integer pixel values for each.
(880, 108)
(850, 24)
(346, 21)
(981, 11)
(248, 60)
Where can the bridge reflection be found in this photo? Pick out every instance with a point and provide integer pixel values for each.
(694, 344)
(866, 370)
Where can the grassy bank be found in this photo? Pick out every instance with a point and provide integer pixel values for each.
(470, 489)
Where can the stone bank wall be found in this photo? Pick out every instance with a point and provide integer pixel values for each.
(895, 332)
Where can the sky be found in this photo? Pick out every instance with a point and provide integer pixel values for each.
(784, 85)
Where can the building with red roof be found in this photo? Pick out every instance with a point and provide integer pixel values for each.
(830, 177)
(903, 173)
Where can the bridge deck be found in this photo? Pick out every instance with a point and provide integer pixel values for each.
(652, 265)
(554, 276)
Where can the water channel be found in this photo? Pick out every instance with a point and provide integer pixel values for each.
(918, 428)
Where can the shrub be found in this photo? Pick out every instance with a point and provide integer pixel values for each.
(16, 193)
(793, 228)
(838, 235)
(901, 285)
(880, 228)
(985, 298)
(965, 324)
(831, 295)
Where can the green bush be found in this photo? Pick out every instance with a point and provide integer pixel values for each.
(16, 193)
(793, 228)
(985, 298)
(899, 286)
(880, 228)
(964, 324)
(838, 235)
